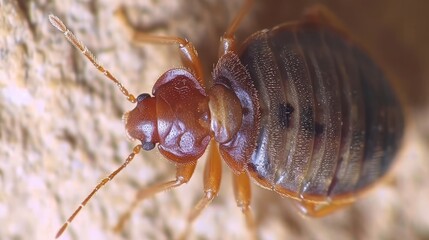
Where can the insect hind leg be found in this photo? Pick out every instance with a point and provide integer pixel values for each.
(320, 209)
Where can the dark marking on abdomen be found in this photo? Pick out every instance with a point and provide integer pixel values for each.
(285, 113)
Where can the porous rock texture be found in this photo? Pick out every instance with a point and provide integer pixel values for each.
(61, 130)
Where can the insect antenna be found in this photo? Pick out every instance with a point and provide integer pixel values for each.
(105, 180)
(57, 23)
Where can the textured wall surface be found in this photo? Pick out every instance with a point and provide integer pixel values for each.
(61, 129)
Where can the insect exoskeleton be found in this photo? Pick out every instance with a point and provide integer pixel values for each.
(300, 108)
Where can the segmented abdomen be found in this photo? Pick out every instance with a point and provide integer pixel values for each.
(330, 123)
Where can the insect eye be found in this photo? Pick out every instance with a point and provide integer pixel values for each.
(142, 96)
(148, 145)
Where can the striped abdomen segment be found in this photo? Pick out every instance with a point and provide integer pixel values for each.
(330, 123)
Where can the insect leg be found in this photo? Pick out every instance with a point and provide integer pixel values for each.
(212, 178)
(243, 194)
(318, 13)
(130, 157)
(188, 53)
(228, 39)
(183, 175)
(320, 209)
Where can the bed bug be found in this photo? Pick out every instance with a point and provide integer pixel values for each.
(299, 108)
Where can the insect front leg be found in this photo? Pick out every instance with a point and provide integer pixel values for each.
(188, 53)
(212, 179)
(183, 175)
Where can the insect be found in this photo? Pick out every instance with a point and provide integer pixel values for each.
(299, 108)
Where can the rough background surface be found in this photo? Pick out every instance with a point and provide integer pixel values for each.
(61, 129)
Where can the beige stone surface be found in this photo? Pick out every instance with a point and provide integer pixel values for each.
(61, 129)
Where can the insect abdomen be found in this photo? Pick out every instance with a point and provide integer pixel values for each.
(330, 123)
